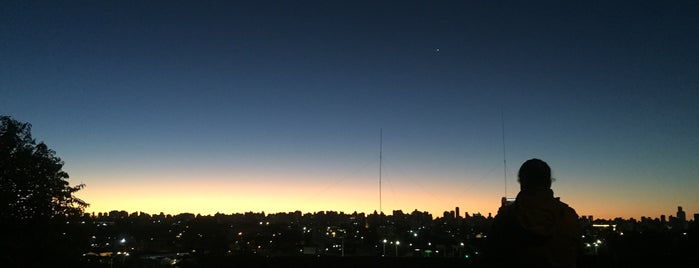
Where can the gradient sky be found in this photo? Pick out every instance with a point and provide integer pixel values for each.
(277, 106)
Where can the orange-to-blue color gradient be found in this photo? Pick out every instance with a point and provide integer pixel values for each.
(277, 106)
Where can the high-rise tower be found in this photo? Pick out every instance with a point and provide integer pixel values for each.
(681, 215)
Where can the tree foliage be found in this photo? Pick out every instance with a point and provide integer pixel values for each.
(32, 182)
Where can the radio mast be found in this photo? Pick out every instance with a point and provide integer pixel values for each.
(504, 155)
(380, 169)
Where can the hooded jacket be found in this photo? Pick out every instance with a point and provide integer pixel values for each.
(537, 230)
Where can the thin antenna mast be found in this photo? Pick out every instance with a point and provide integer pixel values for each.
(380, 169)
(504, 155)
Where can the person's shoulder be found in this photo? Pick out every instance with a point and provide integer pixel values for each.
(507, 213)
(507, 209)
(567, 209)
(563, 204)
(569, 221)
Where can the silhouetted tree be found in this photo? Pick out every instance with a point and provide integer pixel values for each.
(32, 182)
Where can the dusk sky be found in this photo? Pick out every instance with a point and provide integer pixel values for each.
(233, 106)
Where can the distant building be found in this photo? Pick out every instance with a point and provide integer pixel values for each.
(681, 215)
(586, 220)
(682, 223)
(458, 214)
(506, 201)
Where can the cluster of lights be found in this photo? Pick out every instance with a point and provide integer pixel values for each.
(596, 243)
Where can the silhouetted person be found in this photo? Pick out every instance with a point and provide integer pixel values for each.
(537, 230)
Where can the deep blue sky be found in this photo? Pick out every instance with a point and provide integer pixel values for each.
(135, 95)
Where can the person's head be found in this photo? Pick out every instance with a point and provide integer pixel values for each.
(534, 173)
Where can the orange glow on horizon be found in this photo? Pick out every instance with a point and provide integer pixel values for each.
(220, 193)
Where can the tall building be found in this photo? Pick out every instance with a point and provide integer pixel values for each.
(506, 201)
(458, 214)
(681, 215)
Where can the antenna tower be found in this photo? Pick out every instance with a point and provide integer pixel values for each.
(380, 169)
(504, 155)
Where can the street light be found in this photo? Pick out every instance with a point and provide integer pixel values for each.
(384, 248)
(397, 243)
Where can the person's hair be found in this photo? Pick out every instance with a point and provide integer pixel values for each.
(534, 173)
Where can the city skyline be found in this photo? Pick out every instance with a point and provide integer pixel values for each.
(662, 218)
(277, 107)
